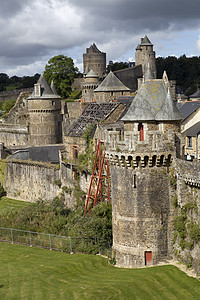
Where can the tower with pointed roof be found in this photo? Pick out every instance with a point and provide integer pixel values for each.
(94, 60)
(141, 151)
(145, 56)
(90, 83)
(110, 89)
(44, 107)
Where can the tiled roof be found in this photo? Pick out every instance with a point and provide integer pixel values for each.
(46, 91)
(196, 95)
(152, 102)
(188, 108)
(111, 83)
(43, 153)
(145, 41)
(194, 130)
(92, 114)
(91, 74)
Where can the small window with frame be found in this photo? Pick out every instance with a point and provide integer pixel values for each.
(189, 142)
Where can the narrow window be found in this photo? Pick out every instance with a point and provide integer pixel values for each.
(189, 142)
(74, 152)
(134, 181)
(141, 130)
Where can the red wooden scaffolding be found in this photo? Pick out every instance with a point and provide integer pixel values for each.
(99, 189)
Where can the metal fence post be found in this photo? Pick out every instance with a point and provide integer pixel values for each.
(50, 242)
(30, 239)
(12, 236)
(70, 245)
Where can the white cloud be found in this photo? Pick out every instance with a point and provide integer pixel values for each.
(33, 30)
(198, 44)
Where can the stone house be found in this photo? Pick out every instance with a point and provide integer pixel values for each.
(190, 127)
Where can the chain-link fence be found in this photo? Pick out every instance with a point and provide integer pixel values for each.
(55, 242)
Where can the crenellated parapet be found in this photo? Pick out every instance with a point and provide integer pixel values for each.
(139, 160)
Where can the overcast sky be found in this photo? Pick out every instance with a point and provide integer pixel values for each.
(33, 31)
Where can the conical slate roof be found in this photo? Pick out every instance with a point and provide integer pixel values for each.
(46, 92)
(152, 103)
(138, 47)
(53, 88)
(110, 84)
(145, 41)
(91, 74)
(168, 111)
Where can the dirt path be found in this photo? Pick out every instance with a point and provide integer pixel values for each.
(182, 267)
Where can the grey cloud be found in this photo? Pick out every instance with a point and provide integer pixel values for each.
(9, 8)
(137, 15)
(106, 22)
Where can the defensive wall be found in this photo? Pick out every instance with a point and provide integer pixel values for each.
(130, 76)
(31, 181)
(13, 95)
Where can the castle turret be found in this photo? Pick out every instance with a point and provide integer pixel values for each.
(141, 153)
(44, 106)
(110, 89)
(90, 83)
(145, 55)
(94, 60)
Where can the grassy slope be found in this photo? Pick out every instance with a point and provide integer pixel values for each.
(7, 204)
(32, 273)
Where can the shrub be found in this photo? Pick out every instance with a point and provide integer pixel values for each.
(180, 224)
(194, 232)
(2, 191)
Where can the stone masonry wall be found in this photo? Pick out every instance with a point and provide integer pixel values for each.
(186, 244)
(31, 181)
(129, 76)
(142, 215)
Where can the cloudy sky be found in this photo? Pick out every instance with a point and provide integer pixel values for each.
(33, 31)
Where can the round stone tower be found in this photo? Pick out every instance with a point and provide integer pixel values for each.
(141, 153)
(145, 56)
(44, 107)
(90, 83)
(94, 60)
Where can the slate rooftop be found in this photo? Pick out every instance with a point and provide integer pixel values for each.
(152, 103)
(46, 92)
(92, 114)
(111, 84)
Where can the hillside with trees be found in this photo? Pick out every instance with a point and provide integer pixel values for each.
(15, 82)
(185, 70)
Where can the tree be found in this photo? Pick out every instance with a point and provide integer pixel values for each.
(62, 71)
(4, 78)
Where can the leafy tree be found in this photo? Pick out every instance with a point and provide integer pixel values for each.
(4, 78)
(62, 71)
(185, 70)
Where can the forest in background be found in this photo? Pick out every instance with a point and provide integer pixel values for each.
(185, 70)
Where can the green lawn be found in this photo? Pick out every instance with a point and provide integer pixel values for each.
(33, 273)
(7, 204)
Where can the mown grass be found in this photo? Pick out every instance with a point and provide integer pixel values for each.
(8, 205)
(32, 273)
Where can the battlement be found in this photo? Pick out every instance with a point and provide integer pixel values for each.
(139, 160)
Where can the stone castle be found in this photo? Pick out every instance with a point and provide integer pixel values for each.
(136, 117)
